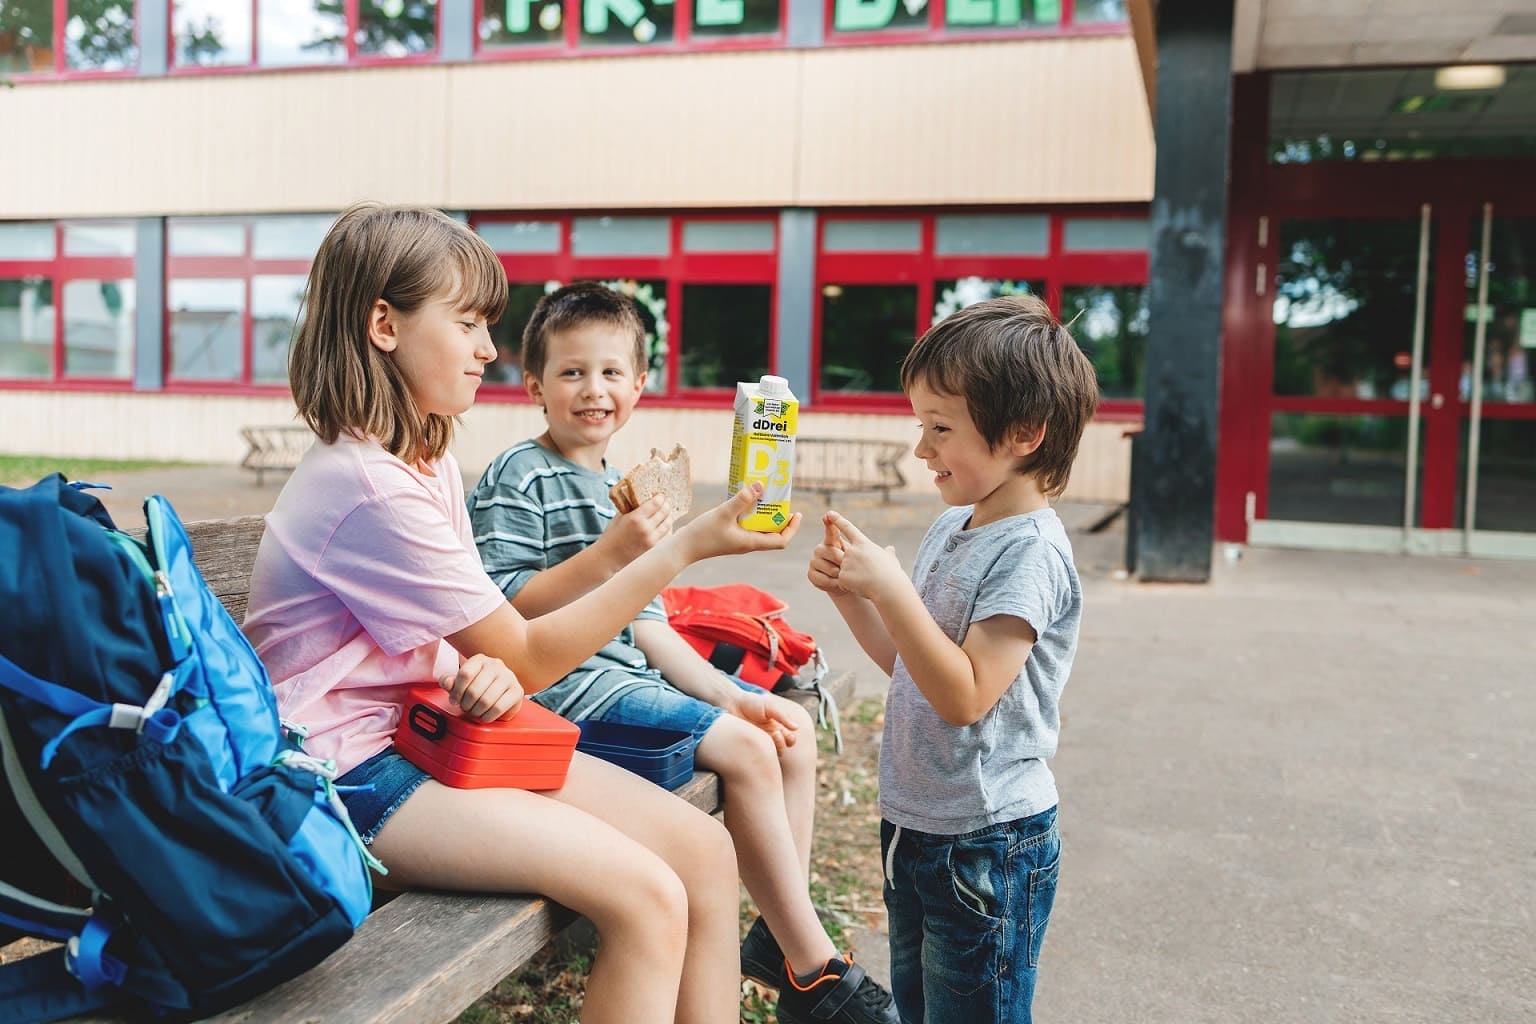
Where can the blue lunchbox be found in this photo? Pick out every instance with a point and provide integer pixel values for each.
(664, 756)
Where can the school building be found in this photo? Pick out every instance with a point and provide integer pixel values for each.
(802, 186)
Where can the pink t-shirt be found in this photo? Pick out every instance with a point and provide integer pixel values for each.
(366, 564)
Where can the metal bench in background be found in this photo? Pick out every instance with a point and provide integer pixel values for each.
(275, 447)
(829, 465)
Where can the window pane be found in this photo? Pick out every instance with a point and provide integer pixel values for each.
(27, 241)
(1344, 307)
(735, 17)
(108, 238)
(1107, 234)
(1085, 12)
(866, 330)
(1001, 14)
(521, 22)
(99, 36)
(211, 33)
(625, 22)
(1338, 469)
(877, 16)
(27, 317)
(1110, 325)
(275, 300)
(300, 32)
(1000, 235)
(206, 328)
(294, 238)
(651, 297)
(98, 329)
(954, 294)
(206, 238)
(725, 335)
(872, 236)
(621, 236)
(396, 28)
(728, 236)
(507, 333)
(26, 36)
(521, 236)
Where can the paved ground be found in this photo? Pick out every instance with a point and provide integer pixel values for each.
(1301, 793)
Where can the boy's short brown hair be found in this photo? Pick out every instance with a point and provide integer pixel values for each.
(575, 305)
(1016, 366)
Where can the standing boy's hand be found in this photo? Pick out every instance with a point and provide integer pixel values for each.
(484, 688)
(719, 531)
(632, 534)
(827, 560)
(866, 568)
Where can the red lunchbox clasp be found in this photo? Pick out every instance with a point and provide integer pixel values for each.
(421, 715)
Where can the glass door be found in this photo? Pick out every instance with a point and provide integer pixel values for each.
(1349, 394)
(1496, 507)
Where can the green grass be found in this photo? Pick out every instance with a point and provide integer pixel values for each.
(20, 470)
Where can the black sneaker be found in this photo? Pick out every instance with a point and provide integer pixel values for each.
(843, 994)
(761, 958)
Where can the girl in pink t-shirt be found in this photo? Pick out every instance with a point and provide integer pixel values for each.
(367, 582)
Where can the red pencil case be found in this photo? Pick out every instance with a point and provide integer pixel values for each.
(530, 750)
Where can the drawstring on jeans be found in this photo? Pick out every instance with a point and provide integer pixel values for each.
(890, 858)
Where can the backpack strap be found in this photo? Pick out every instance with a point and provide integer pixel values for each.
(154, 719)
(40, 989)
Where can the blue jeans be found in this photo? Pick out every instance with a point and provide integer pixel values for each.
(967, 917)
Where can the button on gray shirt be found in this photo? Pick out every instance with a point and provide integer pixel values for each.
(944, 780)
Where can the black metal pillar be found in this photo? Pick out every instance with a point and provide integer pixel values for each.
(1173, 473)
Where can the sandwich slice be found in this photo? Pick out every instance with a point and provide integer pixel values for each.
(668, 475)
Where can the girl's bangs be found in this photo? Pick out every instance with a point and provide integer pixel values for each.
(481, 281)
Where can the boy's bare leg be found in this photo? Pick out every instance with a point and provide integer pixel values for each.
(797, 767)
(772, 867)
(660, 960)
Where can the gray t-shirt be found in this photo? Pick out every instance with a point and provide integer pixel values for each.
(944, 780)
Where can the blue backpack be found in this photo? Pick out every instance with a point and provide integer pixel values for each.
(158, 821)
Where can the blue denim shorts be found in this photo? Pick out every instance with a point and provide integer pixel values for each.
(666, 707)
(967, 917)
(392, 779)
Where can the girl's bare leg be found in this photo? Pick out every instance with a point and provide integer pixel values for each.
(507, 840)
(772, 866)
(700, 853)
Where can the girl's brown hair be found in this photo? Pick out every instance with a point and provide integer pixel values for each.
(406, 256)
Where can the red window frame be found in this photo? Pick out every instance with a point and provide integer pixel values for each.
(683, 39)
(59, 71)
(350, 8)
(245, 268)
(937, 31)
(60, 270)
(677, 268)
(1057, 268)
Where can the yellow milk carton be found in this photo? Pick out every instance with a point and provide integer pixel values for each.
(763, 449)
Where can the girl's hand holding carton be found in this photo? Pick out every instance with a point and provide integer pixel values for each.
(720, 532)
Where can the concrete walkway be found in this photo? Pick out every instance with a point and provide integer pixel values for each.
(1301, 793)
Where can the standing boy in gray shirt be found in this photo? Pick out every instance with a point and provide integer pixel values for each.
(978, 644)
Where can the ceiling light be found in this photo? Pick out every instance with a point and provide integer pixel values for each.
(1469, 76)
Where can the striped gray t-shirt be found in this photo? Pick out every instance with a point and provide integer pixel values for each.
(531, 510)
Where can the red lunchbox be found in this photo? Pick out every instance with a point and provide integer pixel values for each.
(530, 750)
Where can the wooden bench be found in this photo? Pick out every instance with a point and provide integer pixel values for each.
(828, 465)
(422, 957)
(275, 447)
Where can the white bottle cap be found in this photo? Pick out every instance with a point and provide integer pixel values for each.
(773, 387)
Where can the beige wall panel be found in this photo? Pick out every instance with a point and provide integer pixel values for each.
(1028, 121)
(694, 130)
(225, 143)
(205, 428)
